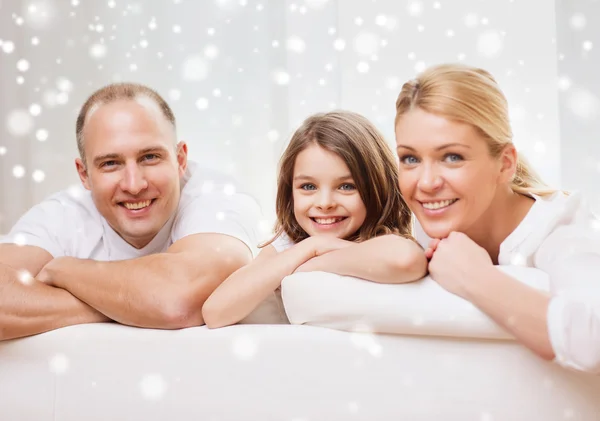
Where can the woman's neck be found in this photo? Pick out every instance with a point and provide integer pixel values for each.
(506, 212)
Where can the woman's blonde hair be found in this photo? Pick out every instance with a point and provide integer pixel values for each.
(371, 163)
(470, 95)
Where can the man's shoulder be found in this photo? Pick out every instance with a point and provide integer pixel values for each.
(213, 188)
(73, 201)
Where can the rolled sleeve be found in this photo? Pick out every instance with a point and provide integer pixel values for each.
(574, 330)
(39, 227)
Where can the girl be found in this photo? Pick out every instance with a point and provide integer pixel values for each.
(483, 205)
(339, 209)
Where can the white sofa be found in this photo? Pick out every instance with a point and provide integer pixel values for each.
(445, 366)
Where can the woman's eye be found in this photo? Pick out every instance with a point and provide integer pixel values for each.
(452, 157)
(409, 160)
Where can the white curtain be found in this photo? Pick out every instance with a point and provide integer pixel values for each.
(242, 74)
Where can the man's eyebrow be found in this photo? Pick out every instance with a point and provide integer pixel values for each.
(105, 157)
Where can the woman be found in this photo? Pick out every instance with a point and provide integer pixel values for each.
(483, 205)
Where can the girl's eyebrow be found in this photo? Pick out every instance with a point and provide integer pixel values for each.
(300, 177)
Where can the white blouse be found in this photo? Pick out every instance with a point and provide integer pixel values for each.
(561, 236)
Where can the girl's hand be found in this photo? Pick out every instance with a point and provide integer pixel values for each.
(457, 262)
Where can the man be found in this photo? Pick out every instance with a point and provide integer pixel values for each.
(144, 244)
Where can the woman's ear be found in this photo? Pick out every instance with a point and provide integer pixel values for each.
(509, 159)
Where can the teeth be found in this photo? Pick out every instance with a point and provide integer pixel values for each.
(138, 205)
(439, 205)
(327, 221)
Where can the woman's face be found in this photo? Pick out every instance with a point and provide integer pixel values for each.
(447, 175)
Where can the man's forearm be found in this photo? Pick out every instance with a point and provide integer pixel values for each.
(150, 291)
(28, 307)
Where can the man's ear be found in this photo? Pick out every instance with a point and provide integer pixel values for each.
(509, 159)
(83, 174)
(182, 152)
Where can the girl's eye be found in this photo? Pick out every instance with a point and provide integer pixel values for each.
(409, 160)
(452, 157)
(348, 186)
(308, 187)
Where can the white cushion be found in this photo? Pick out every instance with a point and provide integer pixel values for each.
(417, 308)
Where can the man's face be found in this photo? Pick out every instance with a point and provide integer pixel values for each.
(133, 168)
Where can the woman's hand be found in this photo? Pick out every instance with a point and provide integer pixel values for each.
(457, 261)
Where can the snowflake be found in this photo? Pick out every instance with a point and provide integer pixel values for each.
(245, 346)
(339, 44)
(362, 67)
(296, 44)
(281, 77)
(19, 123)
(211, 52)
(367, 43)
(195, 69)
(59, 364)
(490, 44)
(153, 386)
(38, 176)
(202, 103)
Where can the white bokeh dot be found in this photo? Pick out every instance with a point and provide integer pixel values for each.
(211, 52)
(153, 386)
(3, 150)
(19, 122)
(38, 176)
(35, 109)
(583, 104)
(281, 77)
(362, 67)
(195, 68)
(367, 43)
(420, 66)
(578, 21)
(339, 44)
(174, 94)
(20, 239)
(202, 103)
(273, 135)
(97, 51)
(471, 20)
(22, 65)
(415, 8)
(59, 364)
(245, 346)
(229, 189)
(8, 47)
(296, 44)
(18, 171)
(587, 45)
(41, 135)
(490, 44)
(564, 83)
(25, 277)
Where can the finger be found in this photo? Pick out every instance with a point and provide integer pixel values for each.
(429, 253)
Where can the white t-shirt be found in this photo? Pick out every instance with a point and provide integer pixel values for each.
(68, 223)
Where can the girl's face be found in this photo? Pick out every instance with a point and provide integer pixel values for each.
(447, 175)
(326, 201)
